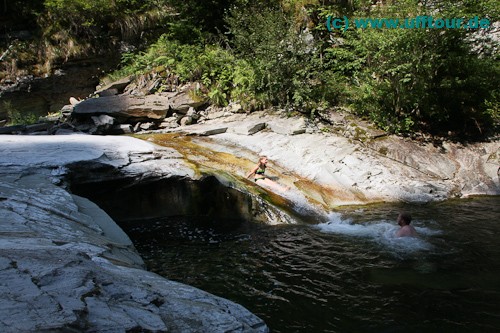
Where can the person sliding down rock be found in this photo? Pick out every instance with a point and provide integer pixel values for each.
(259, 175)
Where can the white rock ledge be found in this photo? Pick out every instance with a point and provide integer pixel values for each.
(66, 266)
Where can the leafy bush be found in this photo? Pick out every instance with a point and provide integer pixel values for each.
(417, 80)
(287, 70)
(215, 68)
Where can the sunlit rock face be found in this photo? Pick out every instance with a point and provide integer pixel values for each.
(354, 165)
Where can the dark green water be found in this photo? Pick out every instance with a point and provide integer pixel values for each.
(347, 275)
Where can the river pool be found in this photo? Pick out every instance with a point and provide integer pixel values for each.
(349, 274)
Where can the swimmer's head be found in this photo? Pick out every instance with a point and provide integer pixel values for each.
(404, 219)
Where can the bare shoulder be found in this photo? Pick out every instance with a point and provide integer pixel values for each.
(407, 231)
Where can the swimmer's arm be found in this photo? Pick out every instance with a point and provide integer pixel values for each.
(254, 170)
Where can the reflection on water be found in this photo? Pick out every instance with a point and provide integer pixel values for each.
(349, 274)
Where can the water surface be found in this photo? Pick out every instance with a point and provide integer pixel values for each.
(349, 274)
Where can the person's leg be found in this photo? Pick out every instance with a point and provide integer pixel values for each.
(273, 184)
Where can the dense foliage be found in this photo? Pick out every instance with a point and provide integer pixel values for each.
(265, 53)
(421, 79)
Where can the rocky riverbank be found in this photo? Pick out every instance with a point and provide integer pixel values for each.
(335, 159)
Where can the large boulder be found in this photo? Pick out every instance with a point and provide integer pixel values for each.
(183, 101)
(124, 107)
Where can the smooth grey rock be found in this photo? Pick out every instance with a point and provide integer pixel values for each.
(203, 130)
(247, 128)
(291, 126)
(65, 266)
(103, 220)
(384, 169)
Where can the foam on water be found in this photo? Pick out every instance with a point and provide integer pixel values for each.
(380, 231)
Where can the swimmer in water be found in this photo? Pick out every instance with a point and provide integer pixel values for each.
(258, 173)
(406, 230)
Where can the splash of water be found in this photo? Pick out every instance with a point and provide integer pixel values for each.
(380, 231)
